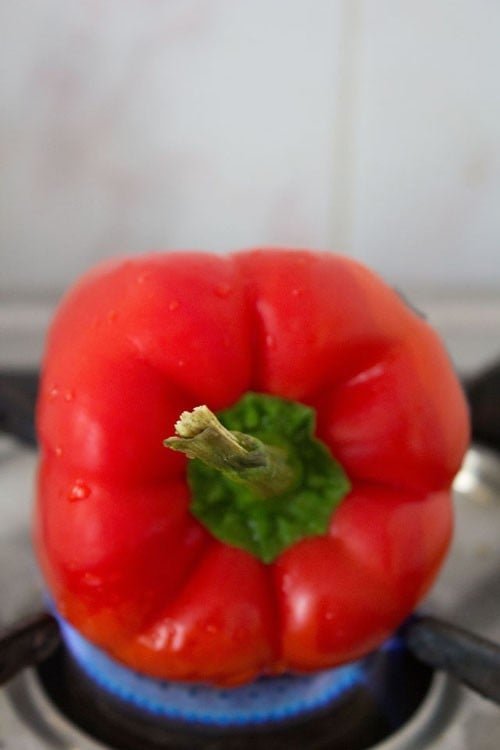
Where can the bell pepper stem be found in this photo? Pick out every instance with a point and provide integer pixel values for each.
(241, 457)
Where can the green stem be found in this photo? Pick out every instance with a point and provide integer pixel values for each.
(262, 468)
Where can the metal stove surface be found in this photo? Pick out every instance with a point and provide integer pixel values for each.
(467, 593)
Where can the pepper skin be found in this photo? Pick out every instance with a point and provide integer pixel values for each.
(136, 342)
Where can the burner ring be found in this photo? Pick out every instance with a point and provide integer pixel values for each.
(36, 709)
(366, 713)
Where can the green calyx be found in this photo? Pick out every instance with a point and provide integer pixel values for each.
(259, 478)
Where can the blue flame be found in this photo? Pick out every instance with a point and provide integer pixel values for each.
(269, 699)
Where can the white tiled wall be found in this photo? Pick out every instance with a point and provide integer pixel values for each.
(368, 127)
(133, 125)
(427, 163)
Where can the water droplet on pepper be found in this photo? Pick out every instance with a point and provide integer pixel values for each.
(79, 491)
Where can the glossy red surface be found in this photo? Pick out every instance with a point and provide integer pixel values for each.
(139, 340)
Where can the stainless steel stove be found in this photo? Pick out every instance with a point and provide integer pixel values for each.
(467, 593)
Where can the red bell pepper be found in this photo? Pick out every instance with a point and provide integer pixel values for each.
(185, 576)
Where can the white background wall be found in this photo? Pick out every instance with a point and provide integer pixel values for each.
(367, 126)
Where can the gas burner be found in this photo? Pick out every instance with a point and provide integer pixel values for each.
(395, 688)
(351, 707)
